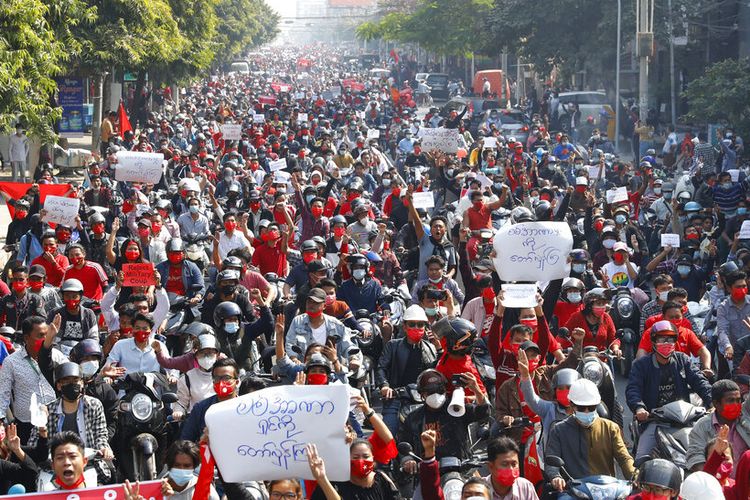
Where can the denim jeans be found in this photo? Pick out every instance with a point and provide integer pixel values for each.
(391, 408)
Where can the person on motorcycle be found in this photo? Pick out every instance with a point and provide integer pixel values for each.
(434, 243)
(729, 314)
(226, 380)
(452, 432)
(54, 262)
(687, 341)
(579, 269)
(89, 273)
(402, 360)
(78, 322)
(457, 336)
(660, 378)
(436, 277)
(731, 414)
(431, 298)
(570, 302)
(71, 410)
(136, 354)
(195, 385)
(181, 276)
(620, 271)
(587, 443)
(595, 318)
(66, 450)
(658, 479)
(361, 291)
(192, 221)
(229, 318)
(337, 308)
(271, 256)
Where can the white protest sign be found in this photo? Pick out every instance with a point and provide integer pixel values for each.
(490, 143)
(259, 118)
(582, 181)
(617, 195)
(38, 412)
(442, 139)
(262, 435)
(533, 251)
(593, 171)
(423, 200)
(302, 119)
(373, 133)
(142, 209)
(299, 95)
(231, 131)
(519, 295)
(136, 166)
(745, 230)
(735, 174)
(281, 177)
(484, 180)
(335, 90)
(61, 210)
(671, 240)
(277, 165)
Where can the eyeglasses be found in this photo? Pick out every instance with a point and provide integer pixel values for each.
(223, 378)
(278, 495)
(586, 409)
(415, 324)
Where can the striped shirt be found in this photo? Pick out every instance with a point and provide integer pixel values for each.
(20, 377)
(728, 199)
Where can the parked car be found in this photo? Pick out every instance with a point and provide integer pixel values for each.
(438, 82)
(510, 123)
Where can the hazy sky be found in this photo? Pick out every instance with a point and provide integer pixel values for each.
(284, 7)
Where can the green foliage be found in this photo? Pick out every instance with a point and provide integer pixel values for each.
(30, 57)
(244, 24)
(721, 95)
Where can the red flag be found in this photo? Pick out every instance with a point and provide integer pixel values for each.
(206, 475)
(394, 55)
(122, 116)
(16, 190)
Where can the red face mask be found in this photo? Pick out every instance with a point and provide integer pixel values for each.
(647, 495)
(144, 232)
(665, 349)
(175, 258)
(330, 299)
(562, 397)
(126, 332)
(739, 293)
(63, 237)
(308, 257)
(396, 192)
(36, 285)
(223, 388)
(132, 254)
(19, 286)
(361, 467)
(414, 334)
(76, 261)
(598, 225)
(618, 258)
(598, 310)
(514, 348)
(582, 189)
(50, 249)
(731, 411)
(488, 294)
(315, 314)
(317, 379)
(156, 228)
(37, 345)
(230, 226)
(316, 211)
(353, 196)
(21, 215)
(533, 365)
(338, 232)
(141, 335)
(478, 205)
(97, 228)
(530, 322)
(507, 477)
(72, 303)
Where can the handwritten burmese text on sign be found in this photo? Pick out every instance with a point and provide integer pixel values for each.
(61, 210)
(231, 131)
(519, 295)
(533, 251)
(137, 166)
(262, 435)
(442, 139)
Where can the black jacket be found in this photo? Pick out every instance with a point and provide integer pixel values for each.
(394, 358)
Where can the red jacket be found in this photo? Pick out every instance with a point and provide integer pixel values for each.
(503, 359)
(604, 338)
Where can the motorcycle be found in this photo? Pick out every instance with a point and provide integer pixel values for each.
(673, 421)
(276, 282)
(142, 424)
(627, 316)
(180, 315)
(370, 343)
(596, 366)
(590, 487)
(480, 355)
(197, 249)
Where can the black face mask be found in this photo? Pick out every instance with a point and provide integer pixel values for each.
(228, 289)
(72, 391)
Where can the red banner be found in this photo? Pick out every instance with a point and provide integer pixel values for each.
(264, 99)
(150, 490)
(16, 190)
(353, 84)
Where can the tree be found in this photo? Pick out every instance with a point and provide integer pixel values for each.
(244, 24)
(30, 57)
(721, 95)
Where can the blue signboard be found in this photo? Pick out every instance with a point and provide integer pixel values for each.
(70, 98)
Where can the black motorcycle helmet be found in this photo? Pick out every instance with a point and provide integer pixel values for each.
(458, 332)
(592, 296)
(357, 259)
(175, 245)
(431, 381)
(579, 255)
(232, 262)
(661, 473)
(521, 214)
(226, 310)
(196, 329)
(84, 349)
(318, 359)
(543, 210)
(68, 369)
(727, 268)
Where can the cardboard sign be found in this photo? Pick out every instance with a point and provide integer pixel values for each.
(136, 166)
(593, 171)
(519, 295)
(335, 90)
(617, 195)
(277, 165)
(262, 435)
(489, 143)
(140, 274)
(281, 177)
(61, 210)
(442, 139)
(671, 240)
(423, 200)
(150, 490)
(373, 133)
(231, 131)
(533, 251)
(259, 118)
(745, 230)
(735, 173)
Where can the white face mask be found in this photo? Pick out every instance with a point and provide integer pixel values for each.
(663, 296)
(207, 362)
(608, 244)
(574, 298)
(89, 368)
(435, 401)
(579, 268)
(358, 274)
(364, 221)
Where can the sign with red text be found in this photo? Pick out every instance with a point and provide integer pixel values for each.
(141, 274)
(150, 490)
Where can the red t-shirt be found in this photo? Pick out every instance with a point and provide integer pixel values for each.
(55, 271)
(684, 323)
(449, 366)
(605, 336)
(687, 341)
(270, 260)
(174, 281)
(564, 310)
(479, 219)
(92, 277)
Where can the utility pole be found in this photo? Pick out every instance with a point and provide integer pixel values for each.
(672, 100)
(645, 39)
(617, 79)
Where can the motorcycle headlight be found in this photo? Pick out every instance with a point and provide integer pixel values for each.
(593, 371)
(197, 255)
(141, 407)
(452, 489)
(625, 308)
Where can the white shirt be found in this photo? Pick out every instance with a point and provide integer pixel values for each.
(618, 275)
(669, 143)
(18, 149)
(201, 387)
(126, 354)
(229, 243)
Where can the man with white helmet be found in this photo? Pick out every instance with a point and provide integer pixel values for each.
(403, 359)
(700, 486)
(588, 444)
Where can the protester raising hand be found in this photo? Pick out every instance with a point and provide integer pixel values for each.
(318, 469)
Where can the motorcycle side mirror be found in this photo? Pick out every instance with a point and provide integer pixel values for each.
(554, 461)
(169, 397)
(742, 379)
(196, 287)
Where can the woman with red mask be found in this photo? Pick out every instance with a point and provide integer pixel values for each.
(596, 322)
(54, 262)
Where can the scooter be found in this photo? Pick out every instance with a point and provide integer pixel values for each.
(627, 316)
(595, 369)
(590, 487)
(142, 424)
